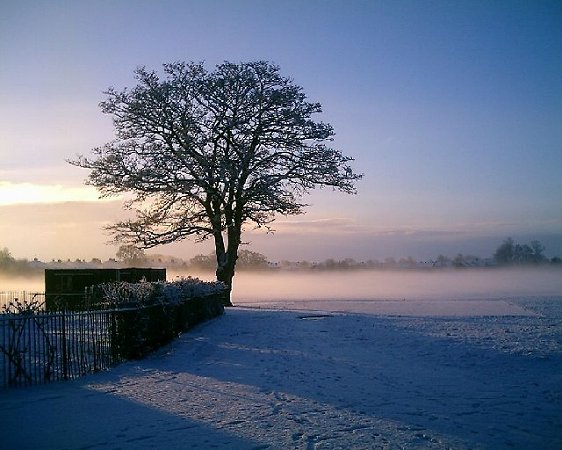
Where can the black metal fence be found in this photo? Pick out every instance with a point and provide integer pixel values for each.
(43, 347)
(38, 347)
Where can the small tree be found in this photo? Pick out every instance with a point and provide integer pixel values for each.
(442, 261)
(207, 262)
(512, 253)
(205, 153)
(459, 260)
(505, 253)
(522, 254)
(248, 259)
(130, 254)
(538, 249)
(6, 259)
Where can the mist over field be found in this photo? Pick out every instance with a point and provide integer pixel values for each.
(366, 285)
(298, 287)
(29, 283)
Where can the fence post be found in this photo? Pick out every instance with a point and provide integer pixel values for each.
(64, 350)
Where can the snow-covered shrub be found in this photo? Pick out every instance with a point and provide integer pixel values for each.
(186, 288)
(119, 294)
(123, 293)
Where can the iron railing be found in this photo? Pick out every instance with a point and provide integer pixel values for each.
(41, 347)
(38, 346)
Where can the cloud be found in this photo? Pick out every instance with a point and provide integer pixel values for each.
(347, 225)
(323, 225)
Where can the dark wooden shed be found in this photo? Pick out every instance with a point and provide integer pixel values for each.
(64, 288)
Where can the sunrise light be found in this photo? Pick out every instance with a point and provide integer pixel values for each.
(28, 193)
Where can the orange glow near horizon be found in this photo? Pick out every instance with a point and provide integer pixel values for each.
(26, 193)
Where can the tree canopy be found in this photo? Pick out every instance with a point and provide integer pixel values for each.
(510, 253)
(130, 254)
(206, 152)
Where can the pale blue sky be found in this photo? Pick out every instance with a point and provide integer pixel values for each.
(453, 111)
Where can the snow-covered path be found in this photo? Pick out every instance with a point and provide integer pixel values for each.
(256, 379)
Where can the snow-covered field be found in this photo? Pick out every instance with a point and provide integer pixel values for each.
(473, 373)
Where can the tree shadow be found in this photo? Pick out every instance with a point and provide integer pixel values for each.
(410, 381)
(69, 415)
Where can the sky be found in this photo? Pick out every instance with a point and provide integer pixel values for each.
(452, 111)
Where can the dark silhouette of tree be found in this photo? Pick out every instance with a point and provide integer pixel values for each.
(9, 264)
(248, 259)
(7, 261)
(130, 254)
(205, 153)
(206, 262)
(538, 249)
(459, 261)
(442, 261)
(510, 253)
(522, 254)
(505, 252)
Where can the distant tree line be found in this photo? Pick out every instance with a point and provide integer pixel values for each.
(509, 253)
(247, 260)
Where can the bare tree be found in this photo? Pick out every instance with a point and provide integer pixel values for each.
(205, 153)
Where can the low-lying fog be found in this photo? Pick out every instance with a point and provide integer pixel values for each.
(368, 285)
(417, 293)
(372, 285)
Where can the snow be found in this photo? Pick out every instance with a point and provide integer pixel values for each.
(321, 374)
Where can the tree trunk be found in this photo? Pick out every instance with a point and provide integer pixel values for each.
(226, 261)
(225, 275)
